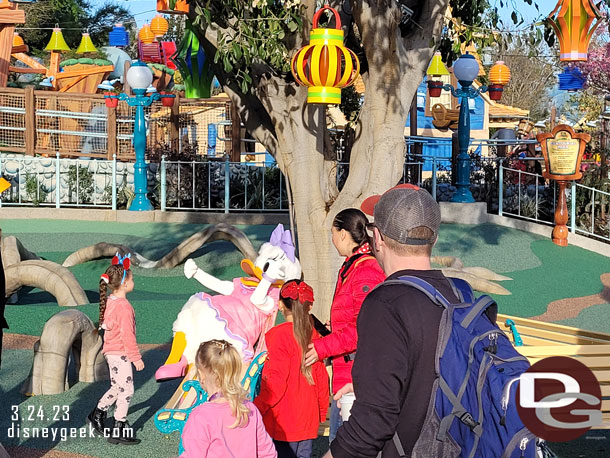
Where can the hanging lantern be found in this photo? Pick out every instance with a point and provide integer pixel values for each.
(86, 45)
(118, 36)
(486, 56)
(180, 7)
(146, 35)
(325, 65)
(436, 69)
(574, 22)
(499, 76)
(17, 40)
(159, 25)
(571, 79)
(57, 42)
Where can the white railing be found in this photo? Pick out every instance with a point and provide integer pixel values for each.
(60, 182)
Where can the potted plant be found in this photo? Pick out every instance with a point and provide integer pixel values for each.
(111, 98)
(167, 98)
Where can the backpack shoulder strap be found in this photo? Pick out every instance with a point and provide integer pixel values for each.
(461, 289)
(421, 285)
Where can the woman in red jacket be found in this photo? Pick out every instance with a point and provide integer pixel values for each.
(294, 398)
(358, 275)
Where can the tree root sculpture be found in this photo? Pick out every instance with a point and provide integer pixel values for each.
(14, 252)
(101, 250)
(48, 276)
(219, 231)
(480, 278)
(24, 268)
(67, 334)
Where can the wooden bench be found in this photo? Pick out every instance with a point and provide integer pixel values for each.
(444, 117)
(541, 340)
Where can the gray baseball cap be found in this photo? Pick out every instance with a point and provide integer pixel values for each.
(401, 209)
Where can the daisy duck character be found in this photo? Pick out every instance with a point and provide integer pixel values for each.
(242, 310)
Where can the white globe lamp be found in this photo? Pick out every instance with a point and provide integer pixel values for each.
(465, 69)
(139, 76)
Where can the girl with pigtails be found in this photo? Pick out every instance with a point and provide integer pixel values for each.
(117, 319)
(293, 399)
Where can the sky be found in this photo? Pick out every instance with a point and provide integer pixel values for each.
(145, 10)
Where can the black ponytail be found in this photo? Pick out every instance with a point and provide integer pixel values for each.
(353, 221)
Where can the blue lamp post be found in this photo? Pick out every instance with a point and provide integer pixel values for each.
(139, 77)
(465, 69)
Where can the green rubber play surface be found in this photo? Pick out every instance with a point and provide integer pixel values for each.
(541, 273)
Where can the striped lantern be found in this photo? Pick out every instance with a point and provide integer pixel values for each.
(159, 25)
(499, 76)
(574, 22)
(146, 35)
(325, 65)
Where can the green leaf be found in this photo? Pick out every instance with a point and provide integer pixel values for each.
(292, 26)
(227, 66)
(513, 16)
(236, 51)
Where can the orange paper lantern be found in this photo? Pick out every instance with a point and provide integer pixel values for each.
(499, 73)
(574, 22)
(325, 65)
(146, 35)
(159, 25)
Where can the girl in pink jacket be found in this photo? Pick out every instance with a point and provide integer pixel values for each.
(228, 425)
(117, 318)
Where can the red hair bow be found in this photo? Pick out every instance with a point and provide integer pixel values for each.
(298, 291)
(125, 261)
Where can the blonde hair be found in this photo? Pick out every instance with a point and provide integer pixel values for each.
(224, 362)
(115, 276)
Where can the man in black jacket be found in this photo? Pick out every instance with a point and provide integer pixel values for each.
(398, 327)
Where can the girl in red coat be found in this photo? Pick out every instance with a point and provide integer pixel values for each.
(293, 398)
(358, 275)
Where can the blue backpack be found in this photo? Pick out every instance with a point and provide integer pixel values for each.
(472, 411)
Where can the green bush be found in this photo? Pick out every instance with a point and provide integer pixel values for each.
(80, 178)
(35, 192)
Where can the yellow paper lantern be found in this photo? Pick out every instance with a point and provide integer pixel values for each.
(574, 22)
(159, 25)
(18, 40)
(146, 35)
(437, 67)
(325, 65)
(86, 45)
(499, 73)
(57, 42)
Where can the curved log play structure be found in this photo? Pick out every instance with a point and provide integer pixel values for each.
(24, 268)
(67, 334)
(47, 276)
(480, 278)
(212, 233)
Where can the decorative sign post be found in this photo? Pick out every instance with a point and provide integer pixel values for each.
(562, 150)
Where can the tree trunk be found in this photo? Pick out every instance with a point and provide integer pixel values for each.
(277, 115)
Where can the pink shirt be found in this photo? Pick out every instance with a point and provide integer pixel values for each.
(207, 434)
(120, 325)
(244, 320)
